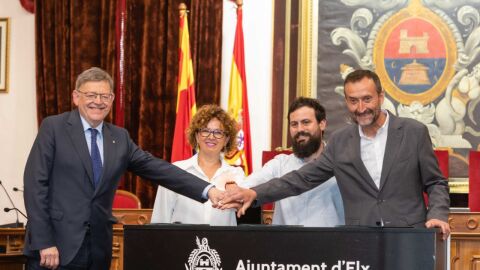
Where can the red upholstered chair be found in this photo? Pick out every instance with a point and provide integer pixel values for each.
(268, 208)
(442, 157)
(474, 181)
(125, 199)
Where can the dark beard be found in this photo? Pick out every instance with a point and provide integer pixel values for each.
(306, 149)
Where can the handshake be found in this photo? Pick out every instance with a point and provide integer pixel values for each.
(233, 197)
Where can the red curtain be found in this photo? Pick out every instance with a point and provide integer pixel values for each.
(71, 36)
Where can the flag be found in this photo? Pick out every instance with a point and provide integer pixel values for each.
(238, 102)
(186, 107)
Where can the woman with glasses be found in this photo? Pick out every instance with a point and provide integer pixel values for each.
(211, 133)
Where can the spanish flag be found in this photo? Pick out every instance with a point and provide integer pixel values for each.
(238, 102)
(186, 107)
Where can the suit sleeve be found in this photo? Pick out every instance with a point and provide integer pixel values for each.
(296, 182)
(164, 173)
(36, 184)
(434, 183)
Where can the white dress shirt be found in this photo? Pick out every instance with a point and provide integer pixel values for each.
(170, 207)
(372, 151)
(319, 207)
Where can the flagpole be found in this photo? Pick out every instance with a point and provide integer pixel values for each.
(182, 9)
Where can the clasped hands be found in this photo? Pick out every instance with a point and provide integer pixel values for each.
(233, 197)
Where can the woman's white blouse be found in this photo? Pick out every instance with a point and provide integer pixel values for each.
(171, 207)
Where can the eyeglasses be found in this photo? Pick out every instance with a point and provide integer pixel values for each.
(90, 96)
(217, 134)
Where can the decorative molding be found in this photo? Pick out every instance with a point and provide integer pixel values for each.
(465, 240)
(267, 217)
(286, 74)
(464, 222)
(308, 40)
(305, 62)
(458, 185)
(132, 216)
(4, 53)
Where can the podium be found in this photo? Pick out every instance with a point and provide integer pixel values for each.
(203, 247)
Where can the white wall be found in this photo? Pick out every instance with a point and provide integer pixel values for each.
(18, 125)
(258, 38)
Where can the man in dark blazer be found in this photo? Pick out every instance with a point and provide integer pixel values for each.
(383, 163)
(72, 174)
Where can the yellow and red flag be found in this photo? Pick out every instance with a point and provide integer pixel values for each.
(186, 105)
(238, 101)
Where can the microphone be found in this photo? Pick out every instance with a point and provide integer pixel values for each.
(17, 189)
(6, 209)
(11, 201)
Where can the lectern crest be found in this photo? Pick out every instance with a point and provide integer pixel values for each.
(203, 258)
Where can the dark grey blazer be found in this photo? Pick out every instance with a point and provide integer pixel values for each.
(59, 195)
(409, 168)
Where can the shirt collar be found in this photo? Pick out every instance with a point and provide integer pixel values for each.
(381, 129)
(86, 125)
(193, 163)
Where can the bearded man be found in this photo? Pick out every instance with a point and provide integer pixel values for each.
(321, 206)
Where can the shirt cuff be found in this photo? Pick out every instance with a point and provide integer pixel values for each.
(205, 191)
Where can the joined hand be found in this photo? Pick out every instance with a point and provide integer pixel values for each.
(238, 198)
(215, 195)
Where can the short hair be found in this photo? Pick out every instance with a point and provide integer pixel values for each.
(359, 74)
(300, 102)
(93, 74)
(203, 116)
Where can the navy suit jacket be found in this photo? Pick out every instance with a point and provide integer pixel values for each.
(60, 198)
(409, 168)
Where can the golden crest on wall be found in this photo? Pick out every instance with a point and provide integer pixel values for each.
(426, 55)
(414, 55)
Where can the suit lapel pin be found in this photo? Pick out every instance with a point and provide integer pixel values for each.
(113, 141)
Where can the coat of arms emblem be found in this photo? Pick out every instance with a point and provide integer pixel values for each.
(203, 258)
(426, 55)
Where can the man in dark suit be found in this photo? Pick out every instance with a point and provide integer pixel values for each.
(71, 176)
(383, 163)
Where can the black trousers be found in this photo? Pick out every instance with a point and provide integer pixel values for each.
(81, 261)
